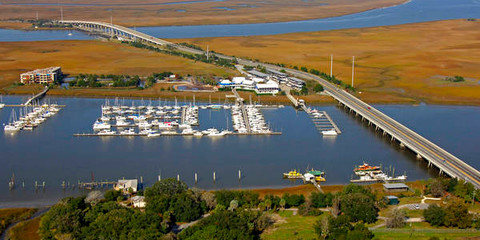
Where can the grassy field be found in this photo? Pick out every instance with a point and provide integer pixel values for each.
(96, 56)
(422, 234)
(149, 13)
(11, 215)
(404, 63)
(289, 226)
(25, 230)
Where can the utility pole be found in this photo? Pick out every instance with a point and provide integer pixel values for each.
(331, 65)
(353, 68)
(61, 13)
(207, 53)
(37, 15)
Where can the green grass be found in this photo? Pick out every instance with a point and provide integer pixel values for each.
(424, 233)
(294, 227)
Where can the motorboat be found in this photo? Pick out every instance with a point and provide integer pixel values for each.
(330, 132)
(106, 132)
(101, 125)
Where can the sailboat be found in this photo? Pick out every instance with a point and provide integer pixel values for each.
(11, 184)
(2, 105)
(11, 126)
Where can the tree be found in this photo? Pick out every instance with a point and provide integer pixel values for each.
(169, 186)
(397, 220)
(318, 88)
(436, 187)
(456, 215)
(320, 200)
(359, 207)
(435, 215)
(360, 232)
(282, 203)
(268, 203)
(293, 200)
(209, 199)
(112, 195)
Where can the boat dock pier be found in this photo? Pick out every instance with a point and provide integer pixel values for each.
(323, 122)
(244, 112)
(37, 96)
(94, 184)
(321, 119)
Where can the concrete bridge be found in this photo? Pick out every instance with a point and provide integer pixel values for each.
(37, 96)
(434, 155)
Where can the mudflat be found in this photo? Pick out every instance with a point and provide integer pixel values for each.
(394, 64)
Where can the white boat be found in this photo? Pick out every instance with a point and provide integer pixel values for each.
(101, 126)
(198, 134)
(106, 132)
(153, 134)
(144, 125)
(169, 133)
(165, 125)
(122, 123)
(184, 126)
(129, 131)
(217, 134)
(330, 132)
(11, 128)
(187, 131)
(2, 105)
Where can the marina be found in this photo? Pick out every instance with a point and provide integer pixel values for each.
(30, 117)
(69, 159)
(167, 120)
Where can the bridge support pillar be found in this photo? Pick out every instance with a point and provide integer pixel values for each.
(440, 172)
(429, 164)
(420, 157)
(393, 139)
(402, 145)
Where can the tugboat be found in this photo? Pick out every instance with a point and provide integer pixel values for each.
(319, 175)
(292, 175)
(365, 168)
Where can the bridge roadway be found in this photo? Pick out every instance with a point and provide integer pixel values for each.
(435, 155)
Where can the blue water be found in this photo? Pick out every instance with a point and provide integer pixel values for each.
(50, 153)
(411, 12)
(7, 35)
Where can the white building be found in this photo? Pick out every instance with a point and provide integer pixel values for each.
(138, 201)
(271, 87)
(126, 184)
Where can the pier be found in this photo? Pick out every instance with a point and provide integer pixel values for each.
(244, 112)
(37, 96)
(323, 122)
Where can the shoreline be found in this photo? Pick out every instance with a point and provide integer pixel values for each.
(261, 190)
(280, 99)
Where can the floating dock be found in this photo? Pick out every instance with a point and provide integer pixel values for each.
(323, 122)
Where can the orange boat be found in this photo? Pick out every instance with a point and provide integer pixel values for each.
(365, 168)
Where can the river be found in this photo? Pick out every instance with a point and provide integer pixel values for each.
(50, 153)
(410, 12)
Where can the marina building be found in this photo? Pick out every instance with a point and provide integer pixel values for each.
(41, 76)
(138, 201)
(126, 184)
(271, 87)
(395, 187)
(257, 84)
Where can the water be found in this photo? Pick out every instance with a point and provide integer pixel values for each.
(50, 153)
(411, 12)
(8, 35)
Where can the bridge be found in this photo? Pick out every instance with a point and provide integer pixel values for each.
(37, 96)
(446, 162)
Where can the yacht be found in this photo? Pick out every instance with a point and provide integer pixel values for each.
(187, 131)
(101, 125)
(184, 126)
(2, 105)
(153, 134)
(122, 123)
(169, 133)
(330, 132)
(165, 125)
(144, 124)
(129, 131)
(198, 134)
(106, 132)
(11, 128)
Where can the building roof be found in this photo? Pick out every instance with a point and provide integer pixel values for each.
(225, 82)
(128, 183)
(269, 84)
(43, 70)
(394, 185)
(258, 74)
(256, 79)
(391, 197)
(276, 72)
(247, 82)
(138, 198)
(238, 80)
(296, 80)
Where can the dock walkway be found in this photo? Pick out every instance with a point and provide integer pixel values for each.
(37, 96)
